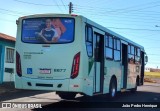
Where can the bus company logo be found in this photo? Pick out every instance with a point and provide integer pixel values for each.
(6, 105)
(68, 21)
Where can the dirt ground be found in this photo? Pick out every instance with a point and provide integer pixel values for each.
(152, 79)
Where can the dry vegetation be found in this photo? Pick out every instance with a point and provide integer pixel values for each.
(151, 77)
(153, 74)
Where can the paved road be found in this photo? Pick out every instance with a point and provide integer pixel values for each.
(147, 93)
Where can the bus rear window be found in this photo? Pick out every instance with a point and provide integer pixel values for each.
(48, 30)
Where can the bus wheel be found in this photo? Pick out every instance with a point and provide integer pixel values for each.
(112, 88)
(64, 95)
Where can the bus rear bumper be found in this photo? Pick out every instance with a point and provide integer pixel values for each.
(53, 85)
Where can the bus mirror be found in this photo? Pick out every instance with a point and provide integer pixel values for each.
(146, 59)
(17, 22)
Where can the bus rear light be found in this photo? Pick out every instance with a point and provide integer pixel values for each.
(75, 66)
(74, 15)
(18, 65)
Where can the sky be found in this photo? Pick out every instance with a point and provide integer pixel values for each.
(137, 20)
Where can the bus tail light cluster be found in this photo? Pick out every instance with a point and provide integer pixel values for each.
(75, 66)
(18, 65)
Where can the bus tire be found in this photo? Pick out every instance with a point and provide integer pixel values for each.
(138, 81)
(64, 95)
(112, 89)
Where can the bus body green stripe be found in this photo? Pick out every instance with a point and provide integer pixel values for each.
(90, 63)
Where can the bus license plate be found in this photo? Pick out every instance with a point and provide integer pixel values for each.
(45, 71)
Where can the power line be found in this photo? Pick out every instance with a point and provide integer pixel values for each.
(129, 24)
(64, 5)
(13, 11)
(119, 18)
(146, 17)
(153, 48)
(7, 20)
(35, 3)
(133, 29)
(104, 13)
(154, 62)
(123, 9)
(109, 11)
(145, 38)
(154, 54)
(9, 14)
(58, 5)
(149, 39)
(107, 27)
(137, 37)
(90, 1)
(122, 20)
(122, 16)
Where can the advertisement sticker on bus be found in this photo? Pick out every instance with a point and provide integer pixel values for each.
(48, 30)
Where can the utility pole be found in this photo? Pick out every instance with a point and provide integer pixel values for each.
(70, 7)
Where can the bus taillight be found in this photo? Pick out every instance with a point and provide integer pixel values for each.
(18, 65)
(75, 66)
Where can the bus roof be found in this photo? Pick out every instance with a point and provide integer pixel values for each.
(88, 21)
(113, 33)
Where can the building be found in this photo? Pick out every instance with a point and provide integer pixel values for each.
(154, 70)
(7, 58)
(147, 69)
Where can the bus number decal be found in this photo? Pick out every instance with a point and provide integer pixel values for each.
(59, 70)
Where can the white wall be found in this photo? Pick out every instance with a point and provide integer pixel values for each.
(147, 69)
(8, 76)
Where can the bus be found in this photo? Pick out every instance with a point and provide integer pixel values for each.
(70, 54)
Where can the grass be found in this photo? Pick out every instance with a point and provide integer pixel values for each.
(153, 74)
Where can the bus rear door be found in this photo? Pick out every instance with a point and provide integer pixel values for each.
(124, 65)
(98, 41)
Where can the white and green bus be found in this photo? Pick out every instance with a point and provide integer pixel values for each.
(71, 54)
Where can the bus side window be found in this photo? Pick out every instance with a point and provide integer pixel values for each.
(117, 50)
(137, 56)
(131, 54)
(129, 49)
(89, 40)
(109, 47)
